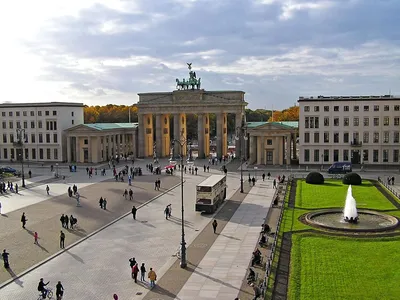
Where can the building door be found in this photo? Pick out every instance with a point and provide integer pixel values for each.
(270, 157)
(355, 156)
(85, 155)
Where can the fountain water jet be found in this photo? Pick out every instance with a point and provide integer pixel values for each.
(350, 213)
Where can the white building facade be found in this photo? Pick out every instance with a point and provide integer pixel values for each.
(43, 126)
(358, 129)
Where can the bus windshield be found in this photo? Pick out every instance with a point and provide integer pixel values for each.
(204, 189)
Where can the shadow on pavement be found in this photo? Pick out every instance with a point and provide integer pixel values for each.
(4, 215)
(145, 223)
(14, 276)
(76, 257)
(159, 290)
(41, 247)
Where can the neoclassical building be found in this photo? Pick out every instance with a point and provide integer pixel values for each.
(98, 142)
(272, 143)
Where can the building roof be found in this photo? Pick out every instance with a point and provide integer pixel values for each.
(288, 124)
(40, 104)
(212, 180)
(108, 126)
(348, 98)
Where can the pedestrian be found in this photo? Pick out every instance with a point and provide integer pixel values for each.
(66, 220)
(115, 297)
(274, 184)
(142, 272)
(62, 220)
(158, 184)
(214, 225)
(130, 194)
(47, 189)
(30, 174)
(134, 209)
(23, 220)
(263, 176)
(5, 255)
(16, 188)
(59, 290)
(72, 221)
(254, 181)
(166, 212)
(62, 239)
(257, 291)
(125, 194)
(269, 175)
(105, 204)
(35, 235)
(153, 277)
(135, 271)
(169, 210)
(101, 202)
(155, 185)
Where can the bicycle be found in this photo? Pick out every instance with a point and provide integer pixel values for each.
(49, 294)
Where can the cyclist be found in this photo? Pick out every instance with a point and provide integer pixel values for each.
(41, 288)
(59, 290)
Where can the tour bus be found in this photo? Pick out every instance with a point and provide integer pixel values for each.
(211, 193)
(340, 168)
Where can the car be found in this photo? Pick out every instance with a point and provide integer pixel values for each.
(340, 168)
(8, 170)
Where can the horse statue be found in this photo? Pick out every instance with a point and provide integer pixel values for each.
(198, 84)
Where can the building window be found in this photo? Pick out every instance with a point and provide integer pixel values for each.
(316, 122)
(386, 108)
(366, 121)
(3, 113)
(47, 113)
(54, 113)
(86, 141)
(375, 155)
(345, 108)
(72, 122)
(55, 125)
(4, 124)
(311, 122)
(326, 137)
(17, 114)
(48, 125)
(10, 113)
(48, 153)
(5, 154)
(25, 125)
(336, 137)
(397, 108)
(5, 138)
(55, 138)
(307, 155)
(356, 108)
(386, 137)
(346, 121)
(385, 121)
(376, 121)
(32, 124)
(26, 153)
(396, 121)
(365, 155)
(306, 108)
(307, 122)
(326, 121)
(396, 136)
(346, 155)
(345, 137)
(366, 108)
(39, 113)
(11, 137)
(396, 155)
(55, 154)
(376, 137)
(316, 137)
(32, 113)
(33, 138)
(33, 153)
(316, 108)
(40, 138)
(326, 155)
(11, 124)
(39, 124)
(306, 137)
(335, 155)
(326, 108)
(376, 107)
(336, 122)
(48, 138)
(269, 142)
(269, 156)
(356, 121)
(356, 138)
(316, 155)
(336, 108)
(366, 137)
(385, 156)
(18, 124)
(24, 113)
(40, 153)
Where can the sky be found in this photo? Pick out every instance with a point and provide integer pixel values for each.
(106, 51)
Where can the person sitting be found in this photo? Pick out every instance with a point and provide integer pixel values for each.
(251, 277)
(266, 228)
(42, 289)
(263, 240)
(256, 258)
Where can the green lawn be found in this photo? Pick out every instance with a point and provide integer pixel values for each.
(344, 268)
(333, 194)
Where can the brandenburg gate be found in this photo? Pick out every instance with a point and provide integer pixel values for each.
(187, 98)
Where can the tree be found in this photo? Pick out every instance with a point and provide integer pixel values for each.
(289, 114)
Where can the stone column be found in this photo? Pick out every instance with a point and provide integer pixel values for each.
(259, 157)
(177, 134)
(182, 129)
(68, 149)
(206, 126)
(294, 147)
(77, 150)
(166, 138)
(148, 123)
(253, 149)
(276, 151)
(89, 138)
(219, 125)
(262, 150)
(289, 149)
(158, 135)
(133, 145)
(141, 131)
(280, 150)
(200, 135)
(240, 141)
(123, 144)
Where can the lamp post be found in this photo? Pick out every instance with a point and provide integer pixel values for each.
(57, 170)
(182, 143)
(241, 133)
(322, 162)
(20, 144)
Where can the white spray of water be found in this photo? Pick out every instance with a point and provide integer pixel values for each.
(350, 207)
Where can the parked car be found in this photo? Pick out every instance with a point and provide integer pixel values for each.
(8, 170)
(340, 168)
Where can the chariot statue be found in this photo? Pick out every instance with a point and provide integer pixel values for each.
(192, 82)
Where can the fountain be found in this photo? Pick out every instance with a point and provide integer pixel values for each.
(350, 214)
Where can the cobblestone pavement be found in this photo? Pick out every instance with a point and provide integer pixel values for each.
(44, 218)
(98, 267)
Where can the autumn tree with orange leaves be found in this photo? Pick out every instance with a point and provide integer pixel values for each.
(289, 114)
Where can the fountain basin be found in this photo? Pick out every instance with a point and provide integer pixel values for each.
(368, 221)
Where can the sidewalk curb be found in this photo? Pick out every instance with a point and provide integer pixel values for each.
(83, 239)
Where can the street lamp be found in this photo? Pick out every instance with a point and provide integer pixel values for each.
(322, 162)
(241, 133)
(182, 143)
(20, 144)
(57, 170)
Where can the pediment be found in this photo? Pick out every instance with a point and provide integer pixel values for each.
(81, 128)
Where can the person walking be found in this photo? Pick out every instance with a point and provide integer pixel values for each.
(214, 225)
(5, 255)
(16, 188)
(274, 184)
(257, 291)
(142, 272)
(72, 221)
(130, 194)
(62, 239)
(62, 220)
(169, 210)
(263, 176)
(59, 290)
(166, 212)
(66, 220)
(115, 297)
(125, 194)
(134, 210)
(135, 271)
(101, 202)
(105, 204)
(23, 220)
(35, 236)
(153, 277)
(47, 189)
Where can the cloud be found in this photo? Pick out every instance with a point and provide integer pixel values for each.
(275, 50)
